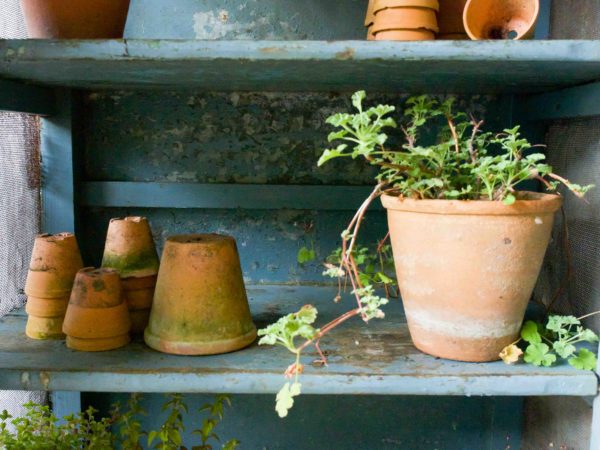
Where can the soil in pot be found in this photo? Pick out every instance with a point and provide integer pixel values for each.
(405, 19)
(97, 318)
(507, 19)
(466, 269)
(200, 305)
(75, 19)
(54, 262)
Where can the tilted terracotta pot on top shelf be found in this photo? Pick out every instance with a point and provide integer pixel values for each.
(466, 269)
(75, 19)
(130, 249)
(54, 262)
(405, 19)
(450, 20)
(200, 305)
(97, 318)
(506, 19)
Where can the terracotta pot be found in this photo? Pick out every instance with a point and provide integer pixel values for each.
(507, 19)
(369, 18)
(97, 318)
(405, 35)
(138, 294)
(404, 19)
(45, 317)
(75, 19)
(130, 248)
(450, 17)
(200, 305)
(466, 269)
(54, 262)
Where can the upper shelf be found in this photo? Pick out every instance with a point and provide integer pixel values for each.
(426, 66)
(378, 358)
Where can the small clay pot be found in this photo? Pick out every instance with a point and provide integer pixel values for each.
(97, 318)
(130, 248)
(138, 294)
(75, 19)
(200, 305)
(54, 262)
(44, 328)
(450, 17)
(404, 19)
(506, 19)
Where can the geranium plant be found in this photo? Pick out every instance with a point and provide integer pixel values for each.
(463, 163)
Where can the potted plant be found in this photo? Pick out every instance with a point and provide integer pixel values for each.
(468, 246)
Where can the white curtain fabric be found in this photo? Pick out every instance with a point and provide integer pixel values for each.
(19, 202)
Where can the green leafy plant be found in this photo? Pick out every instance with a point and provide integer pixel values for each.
(461, 163)
(545, 344)
(39, 429)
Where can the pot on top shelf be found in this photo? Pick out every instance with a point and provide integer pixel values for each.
(97, 318)
(75, 19)
(131, 250)
(200, 305)
(450, 20)
(405, 19)
(54, 262)
(508, 19)
(369, 18)
(466, 269)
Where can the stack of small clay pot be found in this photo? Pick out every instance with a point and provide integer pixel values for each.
(54, 262)
(130, 249)
(402, 20)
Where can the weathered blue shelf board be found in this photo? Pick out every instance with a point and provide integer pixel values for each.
(223, 196)
(437, 66)
(374, 359)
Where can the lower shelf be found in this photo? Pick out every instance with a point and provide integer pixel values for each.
(378, 358)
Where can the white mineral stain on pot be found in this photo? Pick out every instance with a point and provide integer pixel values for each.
(538, 221)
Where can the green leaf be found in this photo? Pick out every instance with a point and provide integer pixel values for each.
(151, 436)
(332, 153)
(539, 355)
(306, 255)
(563, 349)
(510, 199)
(588, 336)
(585, 360)
(285, 398)
(307, 314)
(557, 323)
(530, 332)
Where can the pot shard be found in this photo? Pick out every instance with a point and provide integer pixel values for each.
(467, 269)
(75, 19)
(507, 19)
(200, 305)
(55, 261)
(97, 318)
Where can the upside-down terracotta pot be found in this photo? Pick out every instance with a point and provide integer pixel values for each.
(466, 269)
(97, 318)
(75, 19)
(450, 18)
(200, 305)
(131, 250)
(54, 262)
(405, 19)
(506, 19)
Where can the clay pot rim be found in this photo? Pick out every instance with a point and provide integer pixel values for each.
(534, 203)
(519, 36)
(97, 271)
(48, 237)
(425, 4)
(198, 238)
(134, 219)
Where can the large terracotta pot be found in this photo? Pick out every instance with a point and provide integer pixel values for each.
(466, 269)
(200, 305)
(506, 19)
(404, 19)
(450, 20)
(97, 318)
(54, 262)
(75, 19)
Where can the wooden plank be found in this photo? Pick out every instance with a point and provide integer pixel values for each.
(24, 98)
(223, 196)
(570, 103)
(376, 359)
(437, 66)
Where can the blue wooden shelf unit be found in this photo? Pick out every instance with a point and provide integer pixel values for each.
(550, 79)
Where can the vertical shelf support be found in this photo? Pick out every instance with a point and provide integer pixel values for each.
(58, 200)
